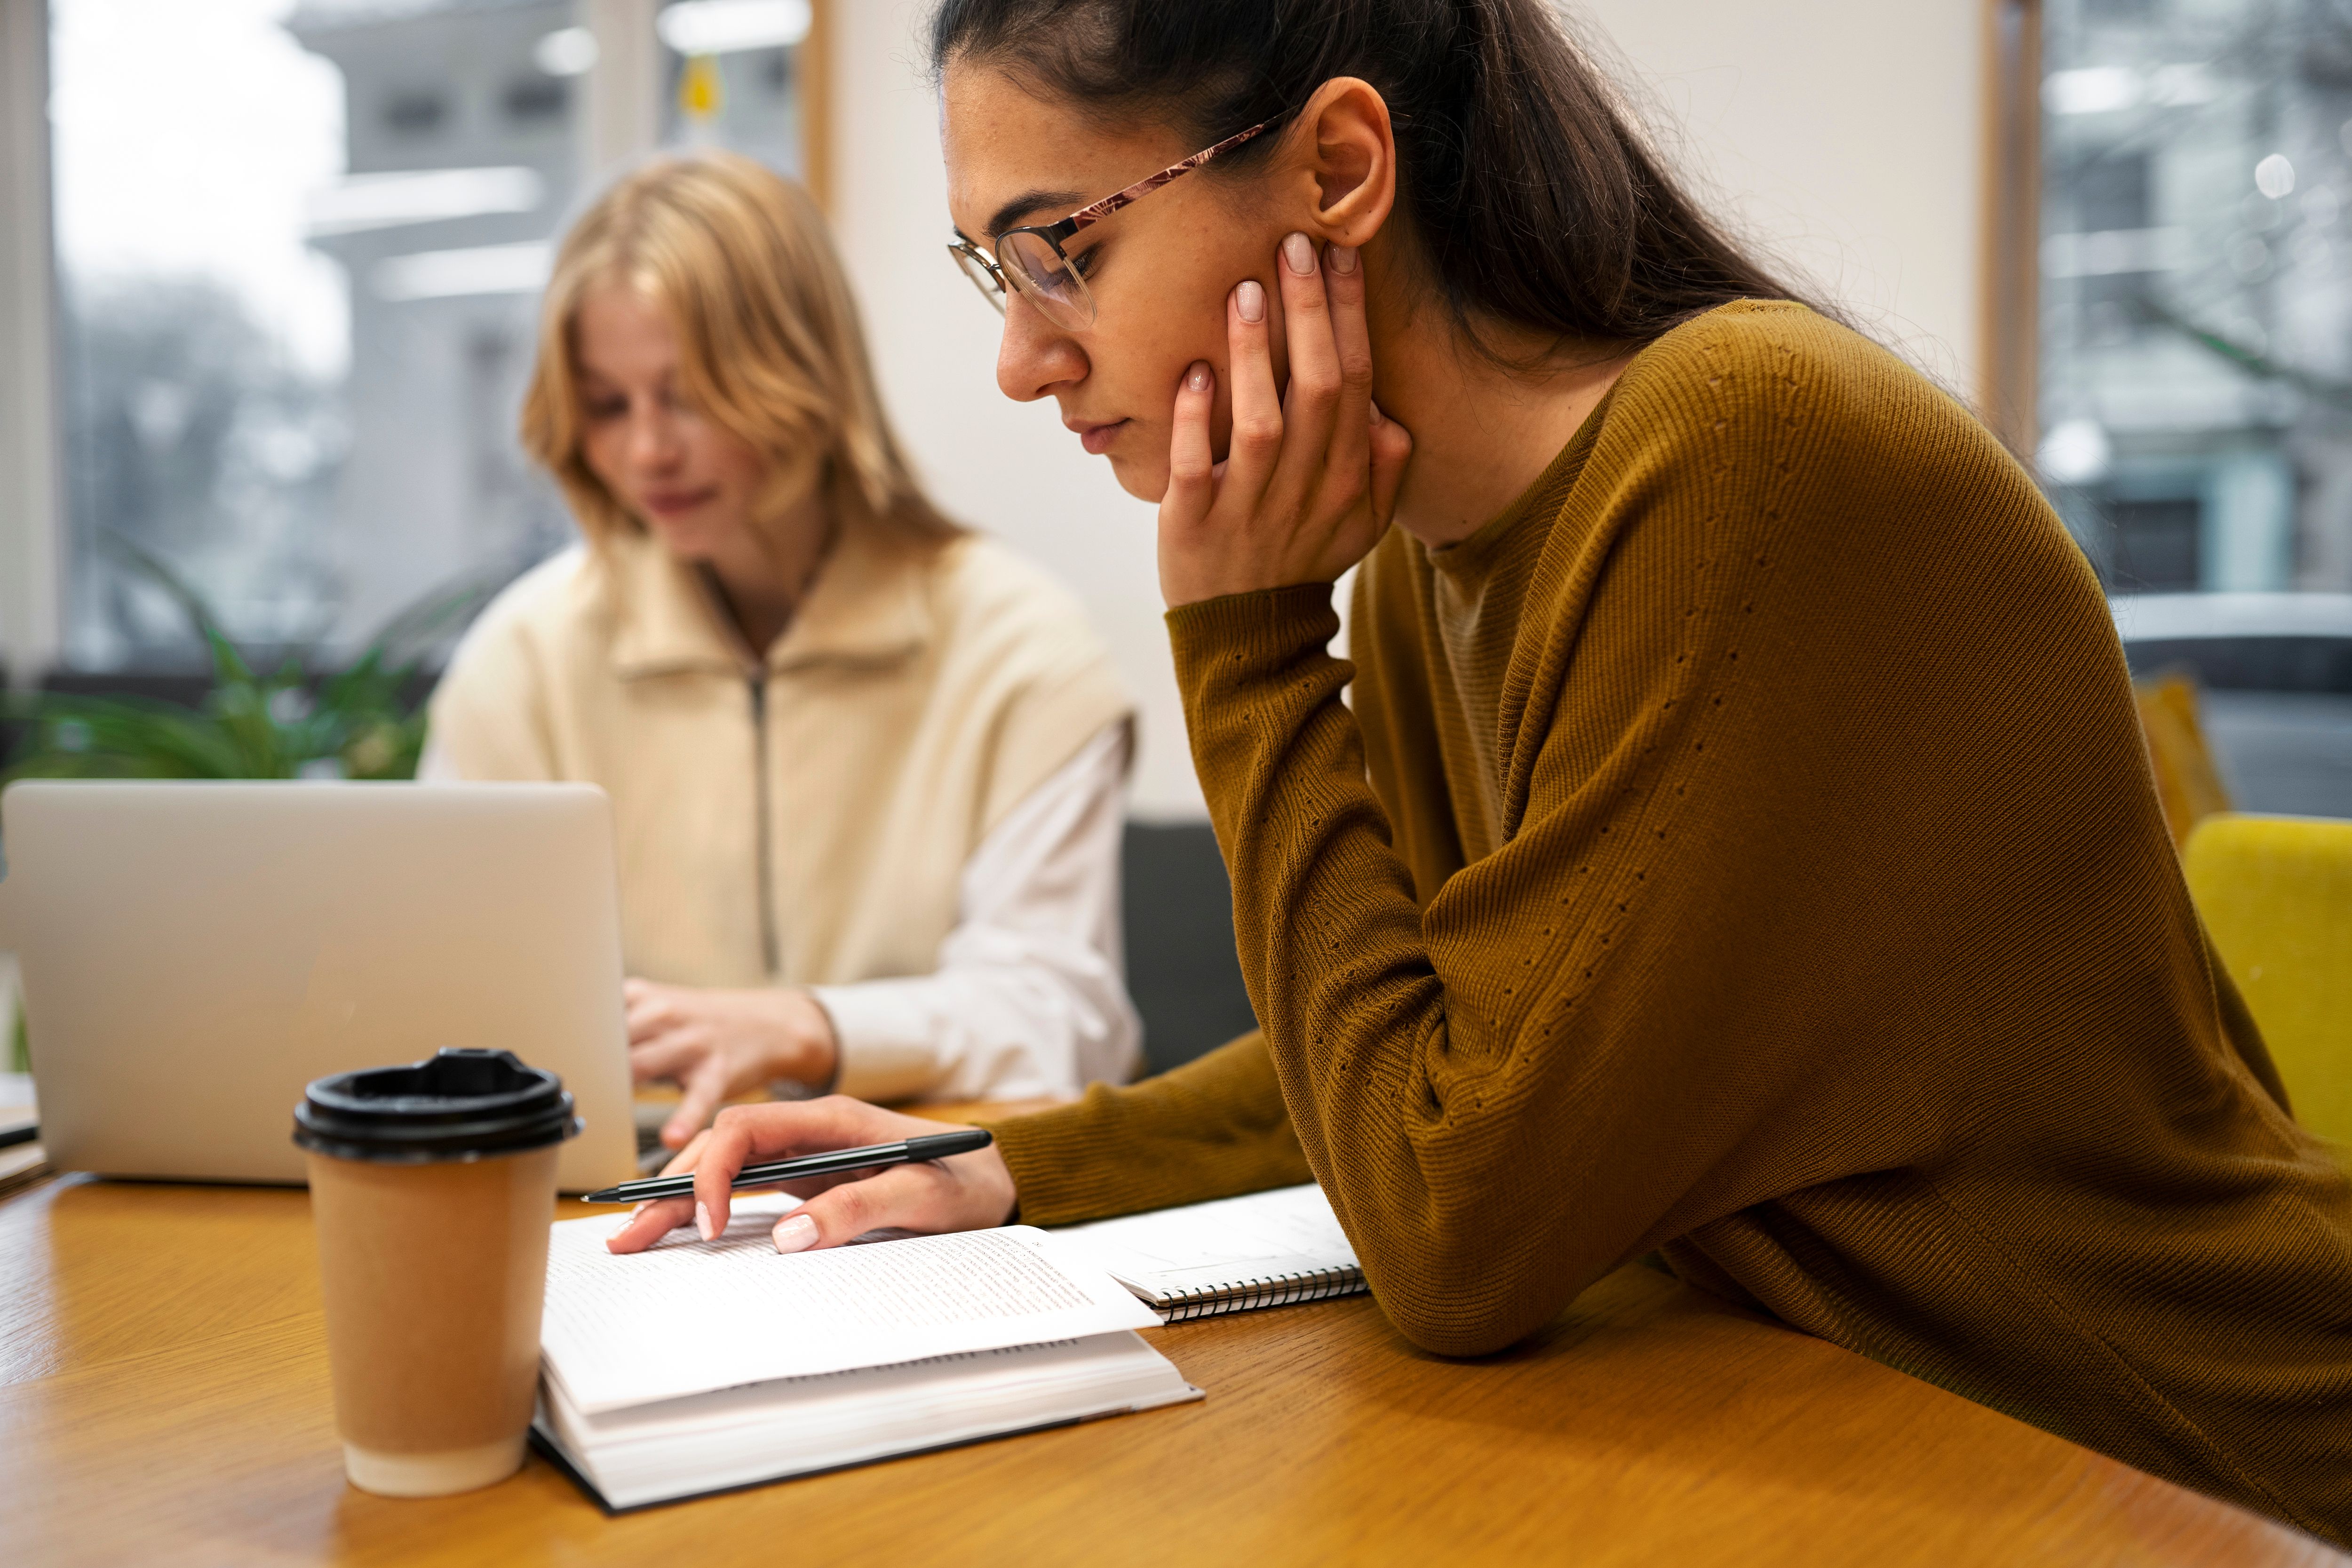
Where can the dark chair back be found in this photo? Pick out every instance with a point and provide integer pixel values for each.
(1180, 967)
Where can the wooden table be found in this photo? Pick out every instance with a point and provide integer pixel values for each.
(163, 1399)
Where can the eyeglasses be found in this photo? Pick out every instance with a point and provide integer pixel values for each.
(1038, 266)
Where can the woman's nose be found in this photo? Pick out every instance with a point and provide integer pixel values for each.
(652, 439)
(1034, 356)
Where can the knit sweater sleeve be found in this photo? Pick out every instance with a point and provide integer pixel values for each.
(1211, 1129)
(1725, 755)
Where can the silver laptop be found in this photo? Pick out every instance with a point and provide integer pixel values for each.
(193, 953)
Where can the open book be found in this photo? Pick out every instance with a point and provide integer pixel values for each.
(697, 1367)
(1263, 1250)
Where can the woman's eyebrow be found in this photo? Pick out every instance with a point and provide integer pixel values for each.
(1026, 203)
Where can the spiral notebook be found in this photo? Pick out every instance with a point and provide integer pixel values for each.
(1263, 1250)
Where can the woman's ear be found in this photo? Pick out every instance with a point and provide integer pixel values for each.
(1352, 151)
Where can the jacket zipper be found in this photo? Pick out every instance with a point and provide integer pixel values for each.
(757, 682)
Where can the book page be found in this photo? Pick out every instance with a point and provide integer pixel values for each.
(688, 1316)
(1290, 1230)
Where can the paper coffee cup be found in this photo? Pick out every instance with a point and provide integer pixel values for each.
(432, 1187)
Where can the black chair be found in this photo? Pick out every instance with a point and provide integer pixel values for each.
(1180, 968)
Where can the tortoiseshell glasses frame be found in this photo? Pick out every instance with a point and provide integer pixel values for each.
(1034, 259)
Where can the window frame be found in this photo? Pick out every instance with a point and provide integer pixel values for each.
(32, 531)
(2008, 352)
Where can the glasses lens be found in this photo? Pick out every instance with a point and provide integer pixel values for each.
(1038, 270)
(983, 277)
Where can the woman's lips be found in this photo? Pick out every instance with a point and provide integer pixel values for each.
(674, 505)
(1096, 438)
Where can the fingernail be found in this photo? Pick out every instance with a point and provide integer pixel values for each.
(1340, 258)
(795, 1232)
(1299, 251)
(1377, 414)
(1197, 378)
(1249, 298)
(702, 1222)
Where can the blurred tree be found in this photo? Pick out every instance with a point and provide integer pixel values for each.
(191, 436)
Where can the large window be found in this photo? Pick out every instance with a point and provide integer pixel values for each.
(299, 246)
(2196, 359)
(2196, 372)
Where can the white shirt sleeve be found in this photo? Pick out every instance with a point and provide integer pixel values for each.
(1029, 998)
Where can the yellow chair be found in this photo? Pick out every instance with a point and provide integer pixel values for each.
(2276, 894)
(2187, 783)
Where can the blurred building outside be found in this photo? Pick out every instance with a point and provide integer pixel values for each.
(2197, 265)
(313, 477)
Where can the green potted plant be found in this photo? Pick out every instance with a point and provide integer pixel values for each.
(363, 721)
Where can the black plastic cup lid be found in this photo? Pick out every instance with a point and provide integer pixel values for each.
(461, 1105)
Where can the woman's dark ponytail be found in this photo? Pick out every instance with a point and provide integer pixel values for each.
(1534, 200)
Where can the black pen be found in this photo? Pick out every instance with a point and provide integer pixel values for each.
(932, 1146)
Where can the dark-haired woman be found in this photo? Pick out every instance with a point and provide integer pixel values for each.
(1741, 845)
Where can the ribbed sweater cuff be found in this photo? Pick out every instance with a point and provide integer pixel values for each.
(1060, 1160)
(1209, 1129)
(1265, 628)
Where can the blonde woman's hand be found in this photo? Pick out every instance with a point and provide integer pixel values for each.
(962, 1192)
(715, 1044)
(1310, 477)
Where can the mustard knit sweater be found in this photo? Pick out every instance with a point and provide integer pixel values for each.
(1744, 847)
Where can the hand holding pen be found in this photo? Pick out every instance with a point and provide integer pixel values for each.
(917, 1191)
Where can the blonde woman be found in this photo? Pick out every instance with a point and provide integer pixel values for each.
(866, 766)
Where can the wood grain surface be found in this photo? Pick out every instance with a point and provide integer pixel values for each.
(164, 1398)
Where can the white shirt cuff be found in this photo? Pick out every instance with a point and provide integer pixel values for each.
(886, 1040)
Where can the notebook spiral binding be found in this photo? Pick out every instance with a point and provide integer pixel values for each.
(1273, 1290)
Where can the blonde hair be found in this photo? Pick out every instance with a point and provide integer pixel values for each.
(769, 343)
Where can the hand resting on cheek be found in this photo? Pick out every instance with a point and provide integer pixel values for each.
(1310, 477)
